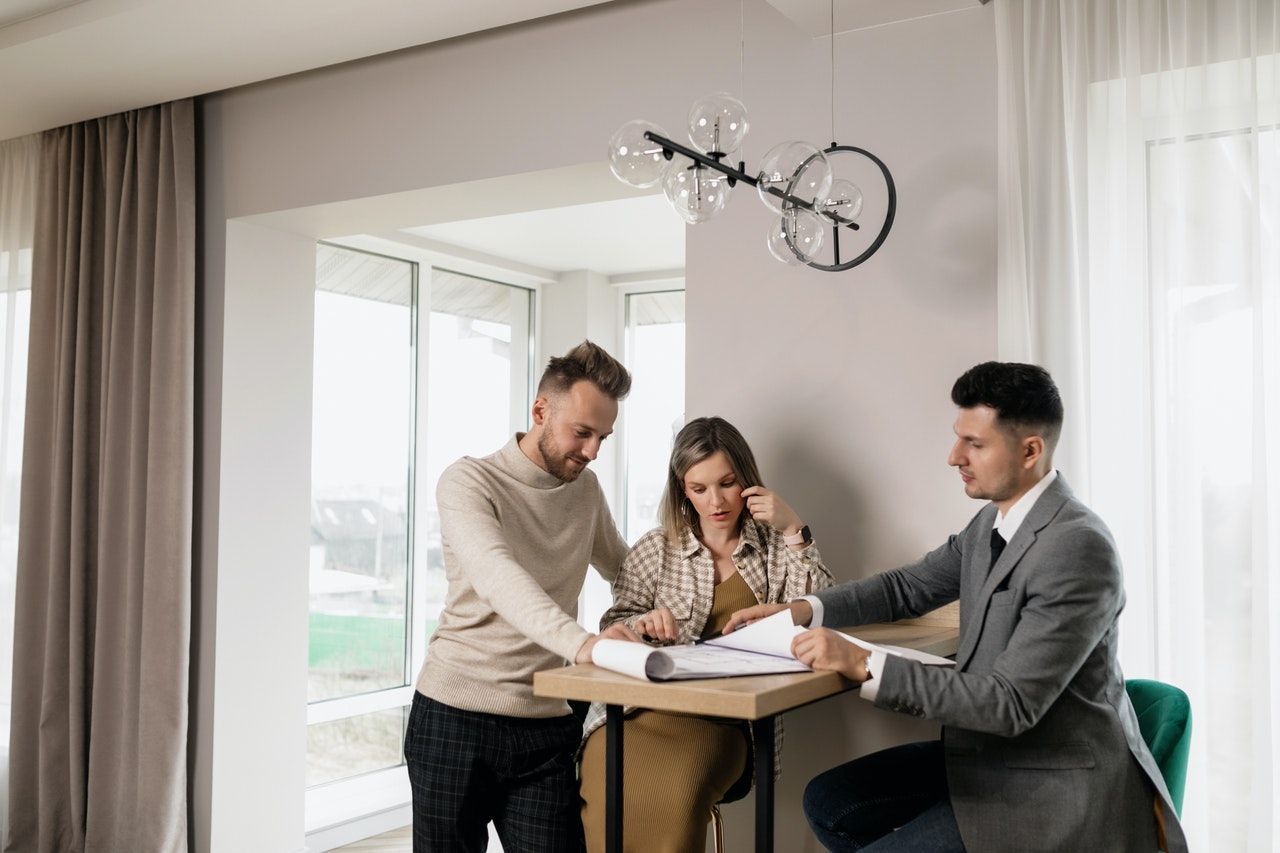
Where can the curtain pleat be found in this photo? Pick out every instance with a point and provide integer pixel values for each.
(104, 566)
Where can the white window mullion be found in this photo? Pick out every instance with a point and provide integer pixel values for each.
(354, 706)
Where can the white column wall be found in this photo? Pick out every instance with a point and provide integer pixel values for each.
(260, 627)
(583, 305)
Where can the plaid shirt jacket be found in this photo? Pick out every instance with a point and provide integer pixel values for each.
(682, 578)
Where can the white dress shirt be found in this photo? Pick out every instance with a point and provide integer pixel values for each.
(1006, 523)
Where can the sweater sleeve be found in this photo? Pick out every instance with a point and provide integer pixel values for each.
(635, 588)
(469, 524)
(608, 548)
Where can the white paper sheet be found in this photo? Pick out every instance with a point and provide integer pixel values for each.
(756, 649)
(899, 651)
(621, 656)
(770, 636)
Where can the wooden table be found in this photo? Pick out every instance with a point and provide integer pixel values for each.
(757, 699)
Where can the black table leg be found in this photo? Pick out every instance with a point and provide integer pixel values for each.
(613, 778)
(762, 734)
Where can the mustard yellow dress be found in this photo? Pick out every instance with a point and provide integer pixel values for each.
(675, 766)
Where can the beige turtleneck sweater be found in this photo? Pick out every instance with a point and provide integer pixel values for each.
(517, 542)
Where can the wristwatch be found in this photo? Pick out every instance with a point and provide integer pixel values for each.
(804, 536)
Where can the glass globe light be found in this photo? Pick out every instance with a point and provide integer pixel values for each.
(844, 199)
(796, 168)
(717, 123)
(697, 193)
(635, 160)
(804, 228)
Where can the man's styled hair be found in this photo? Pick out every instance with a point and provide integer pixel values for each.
(585, 361)
(1023, 396)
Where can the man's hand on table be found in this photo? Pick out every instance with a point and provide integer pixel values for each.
(801, 614)
(616, 631)
(823, 650)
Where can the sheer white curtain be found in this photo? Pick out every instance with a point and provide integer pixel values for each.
(1140, 262)
(18, 162)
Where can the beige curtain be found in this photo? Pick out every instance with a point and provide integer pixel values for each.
(99, 733)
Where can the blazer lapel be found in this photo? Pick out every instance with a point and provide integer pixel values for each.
(1044, 511)
(977, 556)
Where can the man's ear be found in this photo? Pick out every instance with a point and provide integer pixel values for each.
(541, 410)
(1032, 450)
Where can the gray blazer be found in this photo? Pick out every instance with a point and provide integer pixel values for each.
(1042, 746)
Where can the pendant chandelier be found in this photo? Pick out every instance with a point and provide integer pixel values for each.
(797, 181)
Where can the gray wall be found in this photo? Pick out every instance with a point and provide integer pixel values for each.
(840, 381)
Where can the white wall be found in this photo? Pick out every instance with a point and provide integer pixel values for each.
(263, 541)
(840, 380)
(845, 380)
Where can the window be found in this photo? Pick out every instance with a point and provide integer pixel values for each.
(361, 474)
(407, 379)
(655, 407)
(1184, 262)
(15, 321)
(19, 161)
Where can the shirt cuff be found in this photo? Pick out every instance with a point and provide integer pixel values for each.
(871, 687)
(816, 604)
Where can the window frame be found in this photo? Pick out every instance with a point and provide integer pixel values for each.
(625, 292)
(350, 808)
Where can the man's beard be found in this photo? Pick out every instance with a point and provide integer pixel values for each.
(557, 463)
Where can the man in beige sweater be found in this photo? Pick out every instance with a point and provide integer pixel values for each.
(519, 528)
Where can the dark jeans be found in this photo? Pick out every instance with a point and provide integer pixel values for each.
(467, 769)
(892, 800)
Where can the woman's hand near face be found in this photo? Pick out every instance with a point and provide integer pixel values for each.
(659, 624)
(769, 507)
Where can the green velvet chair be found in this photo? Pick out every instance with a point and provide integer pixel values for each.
(1164, 716)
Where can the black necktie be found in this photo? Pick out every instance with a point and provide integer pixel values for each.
(997, 547)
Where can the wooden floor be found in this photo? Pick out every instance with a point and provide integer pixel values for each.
(401, 841)
(395, 841)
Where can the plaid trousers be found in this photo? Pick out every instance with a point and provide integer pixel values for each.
(467, 768)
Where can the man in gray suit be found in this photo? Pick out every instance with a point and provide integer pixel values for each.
(1040, 746)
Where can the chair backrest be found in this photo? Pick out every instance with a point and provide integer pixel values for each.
(1164, 716)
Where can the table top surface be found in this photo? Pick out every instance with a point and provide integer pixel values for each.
(742, 698)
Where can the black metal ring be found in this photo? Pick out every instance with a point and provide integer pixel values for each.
(890, 211)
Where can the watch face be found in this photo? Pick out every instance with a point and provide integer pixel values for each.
(808, 537)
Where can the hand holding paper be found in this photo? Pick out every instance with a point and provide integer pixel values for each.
(760, 648)
(825, 650)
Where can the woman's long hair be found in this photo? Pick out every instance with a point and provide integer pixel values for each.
(699, 439)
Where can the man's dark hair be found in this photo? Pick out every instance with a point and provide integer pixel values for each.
(1023, 396)
(590, 362)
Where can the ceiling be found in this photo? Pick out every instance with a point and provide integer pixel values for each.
(617, 238)
(815, 16)
(63, 61)
(97, 57)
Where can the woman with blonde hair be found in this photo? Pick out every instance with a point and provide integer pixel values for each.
(726, 542)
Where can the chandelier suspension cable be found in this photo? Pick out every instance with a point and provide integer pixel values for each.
(742, 50)
(833, 72)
